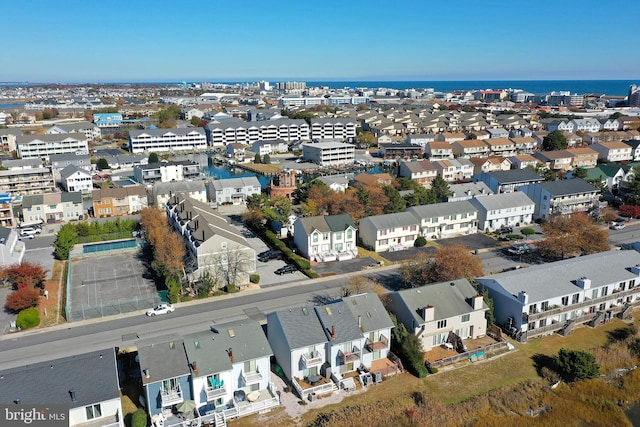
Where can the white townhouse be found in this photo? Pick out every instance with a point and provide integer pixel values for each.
(442, 220)
(422, 172)
(454, 170)
(562, 125)
(556, 297)
(159, 140)
(230, 359)
(166, 171)
(389, 232)
(508, 181)
(269, 146)
(505, 209)
(438, 150)
(329, 153)
(61, 161)
(617, 151)
(610, 124)
(326, 238)
(523, 161)
(562, 197)
(74, 178)
(433, 311)
(52, 207)
(90, 130)
(163, 191)
(233, 190)
(333, 129)
(42, 146)
(586, 125)
(86, 385)
(422, 139)
(468, 190)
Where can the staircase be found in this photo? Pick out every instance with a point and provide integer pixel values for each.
(219, 420)
(626, 311)
(598, 319)
(567, 328)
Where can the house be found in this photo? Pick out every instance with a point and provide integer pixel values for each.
(269, 146)
(635, 149)
(489, 164)
(610, 175)
(373, 179)
(42, 146)
(12, 249)
(421, 139)
(610, 124)
(422, 172)
(29, 176)
(74, 178)
(470, 148)
(502, 210)
(559, 160)
(166, 374)
(437, 150)
(555, 297)
(508, 181)
(468, 190)
(336, 182)
(433, 311)
(498, 133)
(524, 145)
(85, 386)
(562, 197)
(213, 245)
(451, 137)
(52, 207)
(561, 125)
(234, 191)
(522, 161)
(166, 171)
(61, 161)
(389, 232)
(91, 132)
(584, 157)
(442, 220)
(108, 120)
(586, 125)
(236, 151)
(163, 191)
(229, 359)
(400, 151)
(454, 170)
(616, 151)
(158, 140)
(109, 202)
(125, 161)
(329, 153)
(326, 238)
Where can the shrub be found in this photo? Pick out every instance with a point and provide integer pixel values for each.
(528, 231)
(576, 365)
(420, 241)
(22, 298)
(139, 418)
(28, 318)
(230, 288)
(513, 237)
(254, 278)
(432, 370)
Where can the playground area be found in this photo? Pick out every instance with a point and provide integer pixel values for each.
(108, 278)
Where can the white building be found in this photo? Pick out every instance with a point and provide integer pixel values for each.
(334, 129)
(389, 232)
(505, 209)
(74, 178)
(326, 238)
(159, 140)
(238, 131)
(233, 190)
(329, 153)
(42, 146)
(442, 220)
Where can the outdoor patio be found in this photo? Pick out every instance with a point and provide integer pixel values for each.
(437, 354)
(385, 366)
(304, 383)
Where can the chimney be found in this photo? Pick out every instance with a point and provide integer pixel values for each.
(146, 373)
(636, 269)
(428, 313)
(478, 302)
(584, 283)
(72, 393)
(523, 297)
(194, 366)
(333, 333)
(230, 351)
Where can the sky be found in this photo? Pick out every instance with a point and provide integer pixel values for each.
(168, 41)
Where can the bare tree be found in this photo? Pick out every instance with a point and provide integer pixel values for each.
(228, 266)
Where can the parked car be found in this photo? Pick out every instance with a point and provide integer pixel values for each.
(30, 231)
(270, 255)
(161, 309)
(505, 230)
(521, 249)
(27, 236)
(617, 226)
(286, 269)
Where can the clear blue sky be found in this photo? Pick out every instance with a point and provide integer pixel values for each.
(158, 40)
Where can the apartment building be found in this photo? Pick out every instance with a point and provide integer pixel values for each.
(42, 146)
(329, 153)
(23, 177)
(166, 171)
(180, 139)
(238, 131)
(333, 129)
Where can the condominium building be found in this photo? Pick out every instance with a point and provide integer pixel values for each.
(26, 177)
(42, 146)
(333, 129)
(238, 131)
(329, 153)
(166, 171)
(182, 139)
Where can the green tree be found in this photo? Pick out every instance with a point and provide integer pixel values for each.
(632, 187)
(396, 202)
(555, 141)
(67, 237)
(139, 418)
(420, 241)
(266, 159)
(102, 164)
(195, 120)
(580, 172)
(365, 139)
(574, 365)
(257, 159)
(440, 189)
(409, 348)
(526, 232)
(153, 158)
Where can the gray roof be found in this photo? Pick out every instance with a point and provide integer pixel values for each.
(301, 326)
(92, 376)
(68, 157)
(448, 299)
(339, 222)
(247, 181)
(545, 281)
(70, 170)
(476, 189)
(79, 126)
(332, 120)
(514, 176)
(209, 349)
(179, 186)
(20, 163)
(399, 219)
(55, 137)
(134, 133)
(369, 309)
(565, 187)
(164, 357)
(502, 201)
(441, 209)
(14, 132)
(338, 318)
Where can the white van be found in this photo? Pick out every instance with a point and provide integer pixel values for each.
(29, 231)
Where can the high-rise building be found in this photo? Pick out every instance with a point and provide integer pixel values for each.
(634, 96)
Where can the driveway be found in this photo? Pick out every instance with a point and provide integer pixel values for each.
(342, 267)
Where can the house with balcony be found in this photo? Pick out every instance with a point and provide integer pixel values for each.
(7, 219)
(400, 151)
(501, 147)
(42, 146)
(165, 140)
(468, 190)
(29, 176)
(558, 296)
(562, 197)
(615, 151)
(213, 245)
(8, 139)
(439, 150)
(229, 360)
(508, 181)
(73, 178)
(422, 172)
(443, 220)
(166, 375)
(334, 129)
(389, 232)
(163, 191)
(433, 311)
(88, 129)
(584, 157)
(52, 207)
(86, 385)
(559, 160)
(610, 175)
(109, 202)
(504, 209)
(489, 164)
(522, 161)
(524, 145)
(326, 238)
(470, 148)
(269, 146)
(166, 172)
(12, 249)
(454, 170)
(451, 137)
(233, 190)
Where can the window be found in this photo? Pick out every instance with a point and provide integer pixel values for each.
(465, 318)
(565, 300)
(575, 299)
(315, 237)
(349, 233)
(605, 291)
(93, 411)
(338, 236)
(325, 236)
(544, 305)
(442, 324)
(384, 242)
(594, 293)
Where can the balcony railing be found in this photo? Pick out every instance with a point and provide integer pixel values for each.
(215, 393)
(381, 344)
(251, 377)
(171, 396)
(312, 359)
(585, 303)
(349, 356)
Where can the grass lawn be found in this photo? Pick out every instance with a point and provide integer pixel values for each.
(54, 305)
(260, 167)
